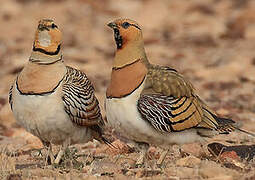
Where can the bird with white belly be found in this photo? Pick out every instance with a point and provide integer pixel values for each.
(53, 101)
(153, 104)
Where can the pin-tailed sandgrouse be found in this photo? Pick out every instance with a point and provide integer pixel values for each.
(53, 101)
(154, 104)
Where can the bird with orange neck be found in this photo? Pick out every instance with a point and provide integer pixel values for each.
(53, 101)
(152, 104)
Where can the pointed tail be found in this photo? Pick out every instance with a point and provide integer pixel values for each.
(229, 125)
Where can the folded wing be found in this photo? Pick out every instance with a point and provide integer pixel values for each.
(79, 100)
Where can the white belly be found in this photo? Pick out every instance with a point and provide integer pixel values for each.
(44, 117)
(124, 118)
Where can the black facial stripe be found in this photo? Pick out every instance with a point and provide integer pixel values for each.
(136, 26)
(118, 38)
(46, 52)
(41, 28)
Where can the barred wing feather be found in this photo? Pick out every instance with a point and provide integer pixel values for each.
(170, 114)
(79, 100)
(10, 96)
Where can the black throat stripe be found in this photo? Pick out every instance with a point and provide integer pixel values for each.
(118, 38)
(46, 52)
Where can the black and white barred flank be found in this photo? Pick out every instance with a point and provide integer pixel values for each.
(10, 96)
(157, 110)
(79, 100)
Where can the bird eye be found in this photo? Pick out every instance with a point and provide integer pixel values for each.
(125, 25)
(54, 26)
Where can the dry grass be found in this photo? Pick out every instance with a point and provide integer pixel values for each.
(8, 162)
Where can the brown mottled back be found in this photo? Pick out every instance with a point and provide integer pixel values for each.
(168, 82)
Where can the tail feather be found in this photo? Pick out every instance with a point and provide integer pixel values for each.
(228, 125)
(98, 135)
(107, 142)
(213, 122)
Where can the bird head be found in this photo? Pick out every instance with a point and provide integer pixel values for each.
(47, 37)
(125, 31)
(129, 40)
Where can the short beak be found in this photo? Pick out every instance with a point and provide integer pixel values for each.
(112, 25)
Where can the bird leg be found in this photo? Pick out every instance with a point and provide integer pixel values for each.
(49, 154)
(143, 147)
(62, 151)
(162, 158)
(59, 156)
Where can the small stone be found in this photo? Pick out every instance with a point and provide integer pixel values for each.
(189, 161)
(121, 148)
(194, 149)
(229, 154)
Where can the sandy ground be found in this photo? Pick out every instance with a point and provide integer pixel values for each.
(211, 43)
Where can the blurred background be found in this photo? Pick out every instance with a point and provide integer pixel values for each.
(210, 42)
